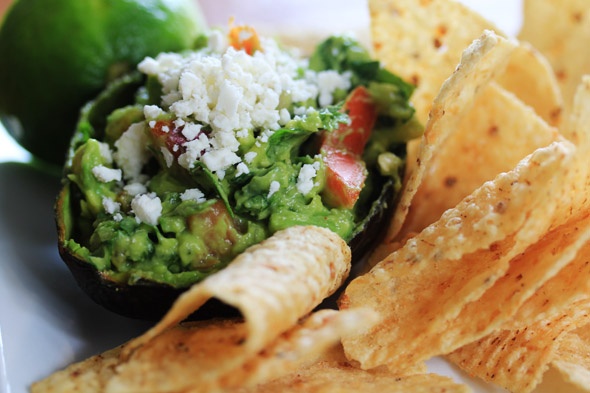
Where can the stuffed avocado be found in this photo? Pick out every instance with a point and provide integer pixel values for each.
(177, 168)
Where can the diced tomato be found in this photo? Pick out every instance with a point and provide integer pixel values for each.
(345, 177)
(244, 37)
(166, 134)
(342, 150)
(363, 114)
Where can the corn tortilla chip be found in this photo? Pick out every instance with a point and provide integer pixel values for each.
(191, 359)
(425, 284)
(517, 359)
(187, 357)
(480, 62)
(537, 267)
(422, 41)
(88, 376)
(570, 284)
(530, 77)
(572, 360)
(492, 137)
(334, 373)
(272, 284)
(563, 40)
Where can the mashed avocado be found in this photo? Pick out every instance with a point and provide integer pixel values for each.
(222, 146)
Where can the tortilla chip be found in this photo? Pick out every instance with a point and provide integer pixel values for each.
(569, 285)
(517, 359)
(191, 358)
(480, 62)
(492, 138)
(421, 287)
(422, 42)
(187, 357)
(561, 31)
(334, 373)
(88, 376)
(572, 360)
(530, 77)
(272, 284)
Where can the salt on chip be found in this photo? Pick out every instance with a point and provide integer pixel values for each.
(425, 284)
(560, 29)
(334, 373)
(572, 360)
(517, 359)
(492, 137)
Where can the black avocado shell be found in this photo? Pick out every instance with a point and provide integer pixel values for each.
(150, 300)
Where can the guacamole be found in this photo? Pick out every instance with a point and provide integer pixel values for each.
(215, 149)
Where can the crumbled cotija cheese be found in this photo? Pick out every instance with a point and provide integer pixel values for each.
(305, 178)
(230, 91)
(105, 174)
(274, 187)
(147, 208)
(193, 194)
(110, 206)
(132, 152)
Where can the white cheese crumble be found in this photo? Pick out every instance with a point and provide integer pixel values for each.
(329, 81)
(132, 152)
(305, 178)
(147, 208)
(191, 130)
(274, 187)
(250, 156)
(105, 174)
(242, 169)
(135, 188)
(193, 194)
(105, 152)
(168, 157)
(230, 91)
(152, 112)
(110, 206)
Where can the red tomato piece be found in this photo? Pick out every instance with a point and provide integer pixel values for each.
(353, 137)
(342, 150)
(345, 177)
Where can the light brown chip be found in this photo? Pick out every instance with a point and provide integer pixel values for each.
(517, 359)
(483, 59)
(88, 376)
(576, 129)
(334, 373)
(492, 137)
(188, 357)
(272, 284)
(561, 31)
(569, 284)
(422, 41)
(421, 287)
(530, 77)
(572, 360)
(191, 358)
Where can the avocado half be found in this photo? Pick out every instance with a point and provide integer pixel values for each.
(151, 300)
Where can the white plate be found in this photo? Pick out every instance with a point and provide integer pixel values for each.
(46, 322)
